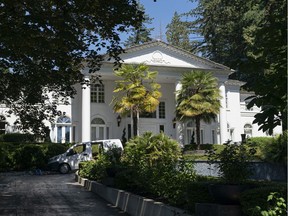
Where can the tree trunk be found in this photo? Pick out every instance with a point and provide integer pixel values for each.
(135, 124)
(198, 140)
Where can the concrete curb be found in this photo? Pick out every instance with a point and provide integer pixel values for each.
(134, 205)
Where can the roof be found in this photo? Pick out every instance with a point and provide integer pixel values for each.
(179, 51)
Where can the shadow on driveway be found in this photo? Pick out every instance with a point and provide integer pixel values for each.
(55, 194)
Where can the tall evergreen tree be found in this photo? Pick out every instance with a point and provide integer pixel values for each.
(140, 35)
(250, 37)
(177, 33)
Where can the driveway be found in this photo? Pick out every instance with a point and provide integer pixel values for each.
(54, 194)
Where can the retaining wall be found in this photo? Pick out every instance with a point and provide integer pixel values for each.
(134, 205)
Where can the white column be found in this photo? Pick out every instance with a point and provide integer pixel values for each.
(179, 125)
(86, 112)
(223, 115)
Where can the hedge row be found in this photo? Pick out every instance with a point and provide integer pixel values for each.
(21, 157)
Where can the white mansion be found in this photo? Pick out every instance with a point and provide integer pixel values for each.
(90, 116)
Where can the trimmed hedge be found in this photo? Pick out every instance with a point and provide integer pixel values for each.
(28, 156)
(18, 138)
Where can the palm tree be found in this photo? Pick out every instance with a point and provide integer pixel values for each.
(136, 92)
(199, 99)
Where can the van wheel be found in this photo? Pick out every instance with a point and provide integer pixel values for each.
(64, 168)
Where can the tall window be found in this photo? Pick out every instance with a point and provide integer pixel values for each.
(63, 129)
(99, 130)
(97, 93)
(248, 130)
(2, 124)
(162, 110)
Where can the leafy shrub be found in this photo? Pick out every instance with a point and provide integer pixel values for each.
(18, 138)
(191, 147)
(52, 149)
(96, 169)
(6, 156)
(232, 162)
(198, 192)
(29, 156)
(250, 199)
(276, 152)
(277, 206)
(271, 149)
(152, 166)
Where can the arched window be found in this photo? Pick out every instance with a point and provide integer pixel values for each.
(99, 130)
(63, 129)
(64, 119)
(248, 130)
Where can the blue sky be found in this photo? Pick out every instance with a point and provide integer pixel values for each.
(162, 11)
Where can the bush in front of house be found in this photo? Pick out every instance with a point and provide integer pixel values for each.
(96, 169)
(18, 137)
(6, 156)
(153, 163)
(271, 149)
(14, 156)
(255, 200)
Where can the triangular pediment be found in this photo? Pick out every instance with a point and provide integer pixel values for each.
(158, 53)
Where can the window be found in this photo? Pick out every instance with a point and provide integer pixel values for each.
(162, 110)
(213, 137)
(248, 130)
(99, 130)
(147, 115)
(97, 93)
(63, 129)
(161, 128)
(2, 124)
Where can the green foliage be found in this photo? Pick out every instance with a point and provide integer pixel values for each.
(198, 99)
(271, 149)
(96, 169)
(254, 202)
(45, 46)
(6, 156)
(136, 92)
(177, 33)
(250, 37)
(232, 162)
(197, 192)
(142, 34)
(18, 137)
(29, 156)
(14, 156)
(152, 166)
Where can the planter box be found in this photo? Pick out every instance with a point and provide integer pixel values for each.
(133, 204)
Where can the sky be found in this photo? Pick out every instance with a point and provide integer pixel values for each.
(162, 11)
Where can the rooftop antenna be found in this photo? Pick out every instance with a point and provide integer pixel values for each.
(160, 36)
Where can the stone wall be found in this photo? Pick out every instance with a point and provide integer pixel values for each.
(261, 170)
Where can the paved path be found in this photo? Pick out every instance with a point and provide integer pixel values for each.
(47, 195)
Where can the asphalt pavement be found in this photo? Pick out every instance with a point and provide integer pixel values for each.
(23, 194)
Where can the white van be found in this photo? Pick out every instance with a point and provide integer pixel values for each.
(69, 161)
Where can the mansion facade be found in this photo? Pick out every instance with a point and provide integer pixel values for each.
(90, 116)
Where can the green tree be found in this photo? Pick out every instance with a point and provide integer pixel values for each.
(140, 35)
(250, 37)
(43, 45)
(136, 92)
(198, 98)
(177, 33)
